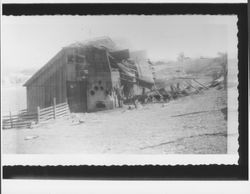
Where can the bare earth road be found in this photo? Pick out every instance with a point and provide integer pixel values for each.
(189, 125)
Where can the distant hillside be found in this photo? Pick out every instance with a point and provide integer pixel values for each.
(195, 67)
(203, 67)
(29, 72)
(16, 79)
(172, 72)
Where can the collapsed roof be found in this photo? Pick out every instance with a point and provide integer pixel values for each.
(138, 69)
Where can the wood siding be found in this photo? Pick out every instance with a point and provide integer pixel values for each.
(49, 84)
(50, 81)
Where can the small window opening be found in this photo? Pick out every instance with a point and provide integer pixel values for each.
(92, 93)
(96, 88)
(82, 73)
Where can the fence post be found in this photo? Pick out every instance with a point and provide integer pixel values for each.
(67, 106)
(54, 107)
(11, 124)
(38, 115)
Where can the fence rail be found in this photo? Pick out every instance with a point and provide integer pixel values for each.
(26, 119)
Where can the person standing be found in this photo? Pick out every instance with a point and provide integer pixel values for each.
(120, 96)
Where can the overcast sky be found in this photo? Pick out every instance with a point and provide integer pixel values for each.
(30, 41)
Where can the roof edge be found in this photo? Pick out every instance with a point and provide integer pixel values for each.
(42, 69)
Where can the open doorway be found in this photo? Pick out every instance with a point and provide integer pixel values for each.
(77, 96)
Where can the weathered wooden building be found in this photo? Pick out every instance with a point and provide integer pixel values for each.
(82, 74)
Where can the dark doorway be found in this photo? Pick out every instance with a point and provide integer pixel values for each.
(77, 96)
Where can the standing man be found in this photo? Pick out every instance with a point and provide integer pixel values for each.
(119, 93)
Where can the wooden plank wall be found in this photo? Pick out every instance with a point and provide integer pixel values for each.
(51, 83)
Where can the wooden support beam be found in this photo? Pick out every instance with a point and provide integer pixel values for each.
(54, 108)
(200, 84)
(38, 115)
(11, 124)
(192, 86)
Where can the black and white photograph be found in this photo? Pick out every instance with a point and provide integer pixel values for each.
(120, 89)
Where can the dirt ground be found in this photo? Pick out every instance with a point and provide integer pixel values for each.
(151, 129)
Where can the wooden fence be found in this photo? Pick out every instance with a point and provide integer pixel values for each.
(53, 112)
(22, 119)
(25, 119)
